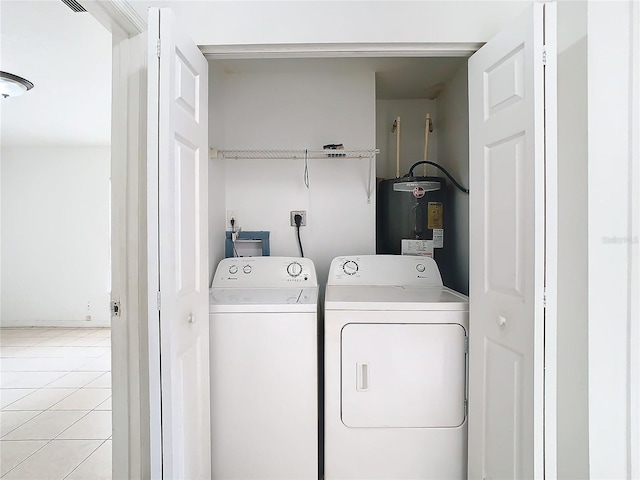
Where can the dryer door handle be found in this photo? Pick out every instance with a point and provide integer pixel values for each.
(362, 376)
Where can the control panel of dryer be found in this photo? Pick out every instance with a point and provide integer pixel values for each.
(263, 272)
(399, 270)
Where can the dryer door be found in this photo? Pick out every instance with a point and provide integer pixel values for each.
(403, 375)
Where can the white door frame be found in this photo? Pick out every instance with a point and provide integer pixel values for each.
(140, 436)
(634, 266)
(551, 244)
(132, 416)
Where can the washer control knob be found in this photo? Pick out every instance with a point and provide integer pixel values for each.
(246, 269)
(350, 267)
(294, 269)
(420, 267)
(233, 269)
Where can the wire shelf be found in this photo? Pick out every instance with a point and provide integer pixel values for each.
(331, 154)
(295, 154)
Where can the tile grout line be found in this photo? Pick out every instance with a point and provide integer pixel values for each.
(85, 459)
(28, 456)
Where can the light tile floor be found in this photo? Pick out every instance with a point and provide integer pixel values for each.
(55, 403)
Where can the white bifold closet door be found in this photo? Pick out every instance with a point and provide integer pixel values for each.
(507, 251)
(178, 156)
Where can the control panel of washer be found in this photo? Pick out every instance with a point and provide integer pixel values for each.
(263, 272)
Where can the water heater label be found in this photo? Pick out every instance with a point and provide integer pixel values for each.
(438, 238)
(434, 216)
(423, 248)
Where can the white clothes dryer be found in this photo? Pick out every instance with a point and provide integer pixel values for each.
(264, 375)
(395, 366)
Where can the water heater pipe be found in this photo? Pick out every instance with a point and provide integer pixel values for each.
(396, 130)
(427, 128)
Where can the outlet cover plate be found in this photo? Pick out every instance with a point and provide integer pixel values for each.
(302, 213)
(232, 214)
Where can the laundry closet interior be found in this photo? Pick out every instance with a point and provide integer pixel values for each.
(284, 110)
(271, 111)
(269, 120)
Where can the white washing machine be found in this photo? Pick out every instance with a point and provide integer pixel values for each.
(395, 391)
(264, 369)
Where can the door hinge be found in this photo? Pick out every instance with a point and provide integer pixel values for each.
(466, 344)
(544, 298)
(158, 300)
(544, 54)
(158, 47)
(115, 308)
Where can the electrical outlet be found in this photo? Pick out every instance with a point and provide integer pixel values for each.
(302, 213)
(232, 214)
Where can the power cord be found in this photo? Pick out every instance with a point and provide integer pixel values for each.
(298, 219)
(234, 236)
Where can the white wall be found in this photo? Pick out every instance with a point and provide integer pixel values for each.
(276, 22)
(55, 236)
(453, 152)
(610, 59)
(217, 207)
(573, 318)
(291, 111)
(412, 124)
(1, 229)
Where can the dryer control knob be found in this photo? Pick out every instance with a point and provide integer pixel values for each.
(233, 269)
(350, 267)
(246, 269)
(420, 267)
(294, 269)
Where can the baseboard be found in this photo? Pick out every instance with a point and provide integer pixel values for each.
(55, 323)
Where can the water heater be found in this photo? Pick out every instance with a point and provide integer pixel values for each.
(416, 208)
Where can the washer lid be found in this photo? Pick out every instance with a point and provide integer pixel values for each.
(371, 297)
(263, 299)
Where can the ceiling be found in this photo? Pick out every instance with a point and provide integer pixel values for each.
(396, 78)
(67, 56)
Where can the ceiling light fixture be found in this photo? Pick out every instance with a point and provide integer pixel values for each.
(12, 85)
